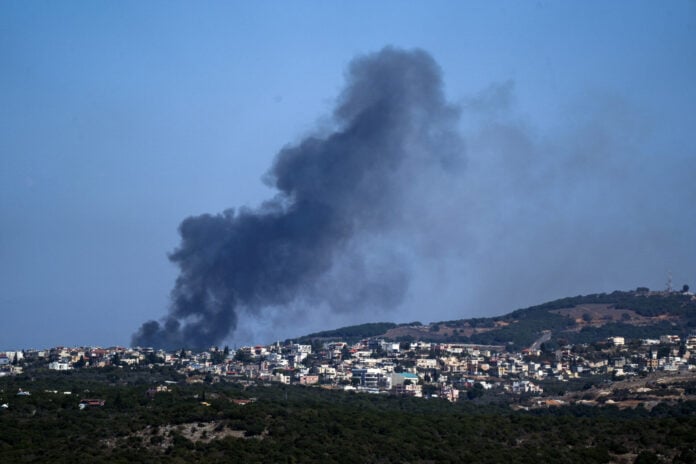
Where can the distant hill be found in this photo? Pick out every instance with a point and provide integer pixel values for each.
(350, 333)
(579, 319)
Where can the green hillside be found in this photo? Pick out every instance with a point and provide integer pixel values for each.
(206, 423)
(588, 318)
(350, 333)
(578, 319)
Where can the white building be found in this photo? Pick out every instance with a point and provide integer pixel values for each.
(59, 366)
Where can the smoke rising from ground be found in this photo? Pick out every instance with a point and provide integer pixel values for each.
(378, 213)
(323, 239)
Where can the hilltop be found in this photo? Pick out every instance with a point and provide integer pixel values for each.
(638, 313)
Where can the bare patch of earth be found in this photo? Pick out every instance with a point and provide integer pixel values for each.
(162, 436)
(596, 315)
(648, 391)
(443, 332)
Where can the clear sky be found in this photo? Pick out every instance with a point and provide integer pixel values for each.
(120, 119)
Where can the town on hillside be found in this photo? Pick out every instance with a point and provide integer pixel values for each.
(619, 371)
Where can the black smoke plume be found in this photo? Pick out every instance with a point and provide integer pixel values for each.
(334, 190)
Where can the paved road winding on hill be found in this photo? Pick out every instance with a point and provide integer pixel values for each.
(546, 336)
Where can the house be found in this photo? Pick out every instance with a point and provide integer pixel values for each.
(499, 371)
(282, 378)
(12, 355)
(691, 342)
(59, 366)
(369, 377)
(309, 379)
(399, 378)
(406, 389)
(449, 393)
(426, 363)
(84, 403)
(526, 386)
(405, 383)
(390, 347)
(93, 402)
(151, 392)
(243, 402)
(670, 339)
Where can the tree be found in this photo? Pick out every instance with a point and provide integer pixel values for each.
(429, 390)
(646, 457)
(80, 363)
(664, 351)
(475, 392)
(118, 401)
(152, 358)
(685, 288)
(242, 356)
(217, 356)
(317, 345)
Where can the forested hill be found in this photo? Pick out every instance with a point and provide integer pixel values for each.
(579, 319)
(351, 333)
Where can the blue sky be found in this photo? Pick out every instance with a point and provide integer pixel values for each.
(118, 120)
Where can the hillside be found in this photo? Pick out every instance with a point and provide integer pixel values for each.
(229, 422)
(579, 319)
(353, 332)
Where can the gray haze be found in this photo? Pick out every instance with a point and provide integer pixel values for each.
(319, 241)
(594, 203)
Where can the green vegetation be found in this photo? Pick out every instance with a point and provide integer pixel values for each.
(350, 333)
(524, 327)
(202, 423)
(520, 328)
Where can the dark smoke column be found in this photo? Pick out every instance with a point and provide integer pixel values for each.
(391, 122)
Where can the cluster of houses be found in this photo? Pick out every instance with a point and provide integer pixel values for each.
(447, 370)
